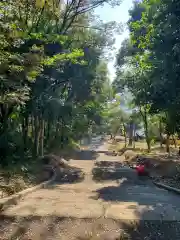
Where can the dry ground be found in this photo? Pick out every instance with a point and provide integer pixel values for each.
(122, 208)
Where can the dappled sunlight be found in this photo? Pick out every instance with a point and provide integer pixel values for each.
(118, 205)
(85, 155)
(90, 120)
(56, 228)
(141, 200)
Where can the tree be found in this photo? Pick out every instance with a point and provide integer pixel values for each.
(53, 79)
(136, 81)
(134, 69)
(134, 123)
(160, 40)
(115, 119)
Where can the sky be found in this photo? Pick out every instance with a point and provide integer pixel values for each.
(118, 14)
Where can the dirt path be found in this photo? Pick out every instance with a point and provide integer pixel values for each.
(79, 209)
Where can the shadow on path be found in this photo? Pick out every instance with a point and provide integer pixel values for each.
(114, 164)
(111, 170)
(58, 228)
(85, 155)
(146, 200)
(94, 143)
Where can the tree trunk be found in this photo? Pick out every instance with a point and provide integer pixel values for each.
(146, 130)
(160, 133)
(41, 138)
(62, 133)
(125, 135)
(116, 132)
(134, 138)
(57, 130)
(147, 135)
(168, 143)
(48, 131)
(174, 140)
(36, 136)
(25, 132)
(130, 134)
(32, 127)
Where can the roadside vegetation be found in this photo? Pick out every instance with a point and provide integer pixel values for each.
(54, 78)
(147, 79)
(147, 66)
(55, 87)
(55, 91)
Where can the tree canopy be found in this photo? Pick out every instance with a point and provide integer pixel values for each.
(54, 76)
(148, 62)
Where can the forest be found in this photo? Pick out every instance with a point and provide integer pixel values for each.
(57, 90)
(147, 65)
(55, 84)
(54, 76)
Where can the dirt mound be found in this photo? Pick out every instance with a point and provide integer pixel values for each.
(162, 168)
(70, 175)
(130, 156)
(54, 161)
(108, 164)
(65, 173)
(168, 169)
(121, 151)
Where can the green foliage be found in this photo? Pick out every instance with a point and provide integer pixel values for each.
(54, 81)
(153, 75)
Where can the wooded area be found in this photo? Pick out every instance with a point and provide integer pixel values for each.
(54, 78)
(57, 91)
(147, 65)
(55, 85)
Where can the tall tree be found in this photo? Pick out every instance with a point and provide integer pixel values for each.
(52, 76)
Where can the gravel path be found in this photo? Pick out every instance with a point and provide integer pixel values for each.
(105, 209)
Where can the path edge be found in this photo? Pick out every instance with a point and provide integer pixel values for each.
(164, 186)
(13, 199)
